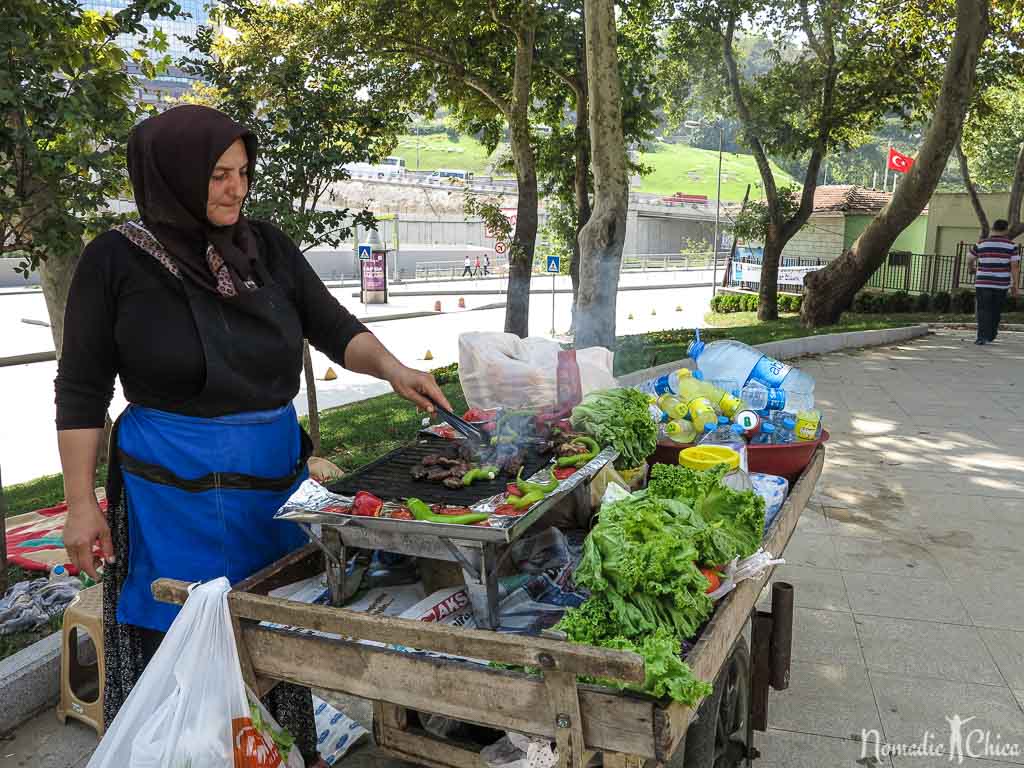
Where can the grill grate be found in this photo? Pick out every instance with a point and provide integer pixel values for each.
(388, 477)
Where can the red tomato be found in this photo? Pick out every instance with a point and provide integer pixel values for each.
(441, 509)
(714, 581)
(366, 504)
(337, 509)
(401, 514)
(561, 473)
(513, 490)
(508, 510)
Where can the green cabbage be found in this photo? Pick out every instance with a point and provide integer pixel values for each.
(646, 592)
(619, 418)
(734, 520)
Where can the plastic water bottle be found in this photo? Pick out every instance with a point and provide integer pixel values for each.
(665, 385)
(678, 431)
(60, 573)
(657, 415)
(726, 432)
(766, 435)
(785, 428)
(730, 359)
(763, 398)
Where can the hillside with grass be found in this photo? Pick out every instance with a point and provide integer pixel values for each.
(692, 171)
(674, 167)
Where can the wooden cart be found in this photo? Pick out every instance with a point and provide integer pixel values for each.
(627, 729)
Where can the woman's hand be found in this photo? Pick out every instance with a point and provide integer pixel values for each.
(417, 387)
(85, 526)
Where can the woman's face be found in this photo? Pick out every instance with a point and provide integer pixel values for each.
(229, 184)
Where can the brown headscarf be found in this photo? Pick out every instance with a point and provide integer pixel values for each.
(170, 159)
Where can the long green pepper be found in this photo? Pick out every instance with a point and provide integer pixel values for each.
(422, 511)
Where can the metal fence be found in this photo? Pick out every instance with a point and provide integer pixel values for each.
(743, 284)
(901, 271)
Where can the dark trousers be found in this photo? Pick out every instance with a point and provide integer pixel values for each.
(989, 305)
(467, 271)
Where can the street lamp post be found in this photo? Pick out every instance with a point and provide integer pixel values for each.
(718, 213)
(718, 200)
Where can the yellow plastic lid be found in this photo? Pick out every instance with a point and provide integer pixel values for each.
(701, 457)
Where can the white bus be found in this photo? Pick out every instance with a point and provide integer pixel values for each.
(451, 176)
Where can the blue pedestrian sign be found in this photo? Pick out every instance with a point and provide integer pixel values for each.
(365, 252)
(554, 265)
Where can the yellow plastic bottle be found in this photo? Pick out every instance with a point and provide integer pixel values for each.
(698, 406)
(673, 406)
(808, 425)
(680, 431)
(724, 401)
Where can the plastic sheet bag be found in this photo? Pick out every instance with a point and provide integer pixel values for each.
(501, 370)
(740, 570)
(191, 707)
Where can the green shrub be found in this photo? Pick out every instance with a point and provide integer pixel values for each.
(941, 302)
(898, 301)
(798, 303)
(963, 301)
(866, 302)
(922, 302)
(448, 374)
(750, 302)
(785, 303)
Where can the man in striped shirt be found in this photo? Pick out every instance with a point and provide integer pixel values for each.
(997, 261)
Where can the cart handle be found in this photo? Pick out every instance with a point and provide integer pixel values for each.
(519, 650)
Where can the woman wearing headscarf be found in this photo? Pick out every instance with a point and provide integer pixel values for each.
(202, 313)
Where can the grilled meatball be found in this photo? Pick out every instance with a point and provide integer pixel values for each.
(452, 482)
(418, 472)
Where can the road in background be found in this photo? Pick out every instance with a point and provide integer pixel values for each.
(28, 441)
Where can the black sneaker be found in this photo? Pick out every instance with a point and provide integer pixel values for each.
(980, 342)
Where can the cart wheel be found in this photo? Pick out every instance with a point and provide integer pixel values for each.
(717, 737)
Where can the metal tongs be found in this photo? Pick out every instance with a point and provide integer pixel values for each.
(463, 427)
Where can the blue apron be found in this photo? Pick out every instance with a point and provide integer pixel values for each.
(204, 482)
(202, 493)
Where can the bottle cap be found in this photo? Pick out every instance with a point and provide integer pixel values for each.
(697, 374)
(768, 427)
(789, 424)
(60, 570)
(737, 429)
(709, 427)
(723, 420)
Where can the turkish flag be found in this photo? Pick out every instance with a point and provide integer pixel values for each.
(899, 162)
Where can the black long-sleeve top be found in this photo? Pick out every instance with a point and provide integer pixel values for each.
(127, 315)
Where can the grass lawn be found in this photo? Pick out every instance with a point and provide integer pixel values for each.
(438, 151)
(676, 167)
(692, 171)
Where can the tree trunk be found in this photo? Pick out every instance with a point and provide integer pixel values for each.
(830, 291)
(524, 240)
(581, 187)
(601, 240)
(314, 411)
(3, 541)
(972, 190)
(768, 295)
(1017, 197)
(55, 273)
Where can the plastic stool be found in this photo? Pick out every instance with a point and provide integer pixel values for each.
(81, 682)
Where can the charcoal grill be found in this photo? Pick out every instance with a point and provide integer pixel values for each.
(389, 477)
(479, 550)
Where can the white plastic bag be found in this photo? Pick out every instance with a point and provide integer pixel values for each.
(501, 370)
(190, 707)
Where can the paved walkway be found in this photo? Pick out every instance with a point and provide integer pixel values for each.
(908, 569)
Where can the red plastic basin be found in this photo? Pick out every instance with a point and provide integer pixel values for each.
(787, 460)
